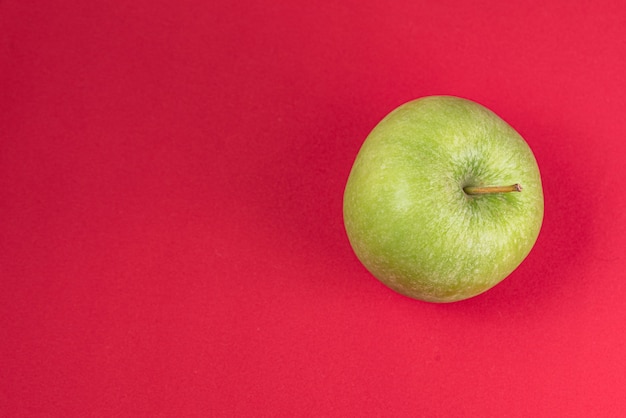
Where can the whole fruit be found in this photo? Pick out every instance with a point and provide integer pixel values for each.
(444, 200)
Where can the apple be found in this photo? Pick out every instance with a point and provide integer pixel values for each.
(444, 200)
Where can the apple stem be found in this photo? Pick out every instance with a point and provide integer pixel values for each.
(476, 190)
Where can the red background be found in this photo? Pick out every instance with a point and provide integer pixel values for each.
(171, 237)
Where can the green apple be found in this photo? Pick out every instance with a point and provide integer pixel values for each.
(444, 200)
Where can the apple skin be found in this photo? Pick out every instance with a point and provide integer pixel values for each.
(406, 213)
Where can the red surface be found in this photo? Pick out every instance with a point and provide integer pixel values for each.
(171, 237)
